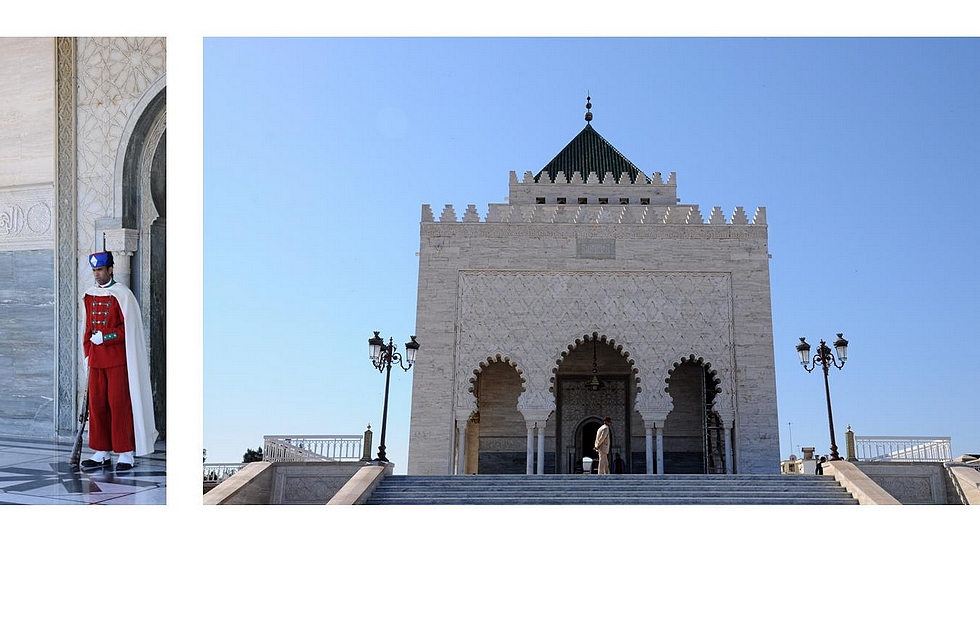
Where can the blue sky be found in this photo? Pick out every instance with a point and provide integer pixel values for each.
(318, 154)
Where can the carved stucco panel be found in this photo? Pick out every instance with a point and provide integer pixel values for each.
(112, 75)
(27, 217)
(531, 317)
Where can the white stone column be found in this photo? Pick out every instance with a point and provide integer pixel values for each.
(660, 448)
(530, 448)
(534, 419)
(122, 243)
(649, 448)
(461, 448)
(729, 455)
(540, 426)
(653, 420)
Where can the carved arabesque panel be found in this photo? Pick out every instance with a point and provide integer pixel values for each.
(531, 316)
(113, 73)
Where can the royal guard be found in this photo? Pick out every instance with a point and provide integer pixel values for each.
(120, 399)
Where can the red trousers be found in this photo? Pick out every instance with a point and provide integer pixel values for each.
(110, 410)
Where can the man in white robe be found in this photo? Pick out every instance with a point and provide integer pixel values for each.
(602, 444)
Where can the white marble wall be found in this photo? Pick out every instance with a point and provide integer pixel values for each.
(26, 143)
(527, 290)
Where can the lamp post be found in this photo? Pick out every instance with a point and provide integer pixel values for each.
(382, 357)
(825, 358)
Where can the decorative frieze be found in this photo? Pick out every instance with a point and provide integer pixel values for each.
(571, 230)
(27, 217)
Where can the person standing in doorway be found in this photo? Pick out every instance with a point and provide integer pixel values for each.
(602, 442)
(119, 394)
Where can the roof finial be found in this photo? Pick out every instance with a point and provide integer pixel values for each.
(588, 106)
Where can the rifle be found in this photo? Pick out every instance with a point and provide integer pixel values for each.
(76, 451)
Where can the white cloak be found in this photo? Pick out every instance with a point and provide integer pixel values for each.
(137, 366)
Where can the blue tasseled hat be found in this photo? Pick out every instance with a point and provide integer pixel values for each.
(97, 260)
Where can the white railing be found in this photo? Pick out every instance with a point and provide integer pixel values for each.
(285, 448)
(217, 472)
(903, 449)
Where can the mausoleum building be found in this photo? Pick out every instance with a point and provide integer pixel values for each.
(593, 292)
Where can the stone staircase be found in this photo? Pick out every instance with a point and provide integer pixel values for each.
(611, 490)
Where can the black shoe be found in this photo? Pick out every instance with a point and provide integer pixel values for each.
(123, 467)
(90, 465)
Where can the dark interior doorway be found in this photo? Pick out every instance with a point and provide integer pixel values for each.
(587, 445)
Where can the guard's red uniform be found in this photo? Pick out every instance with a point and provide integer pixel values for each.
(110, 408)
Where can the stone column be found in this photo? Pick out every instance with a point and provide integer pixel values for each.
(536, 418)
(463, 415)
(648, 430)
(366, 449)
(530, 448)
(850, 445)
(122, 243)
(653, 420)
(461, 448)
(729, 455)
(540, 427)
(660, 448)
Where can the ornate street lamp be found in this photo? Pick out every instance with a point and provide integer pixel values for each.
(825, 358)
(382, 357)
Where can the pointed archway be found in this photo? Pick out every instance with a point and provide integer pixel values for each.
(593, 379)
(141, 166)
(491, 440)
(694, 433)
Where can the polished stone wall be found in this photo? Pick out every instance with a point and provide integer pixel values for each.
(27, 345)
(27, 232)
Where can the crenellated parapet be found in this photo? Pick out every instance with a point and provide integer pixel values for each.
(592, 190)
(679, 214)
(592, 201)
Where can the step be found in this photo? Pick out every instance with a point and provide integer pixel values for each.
(610, 489)
(608, 499)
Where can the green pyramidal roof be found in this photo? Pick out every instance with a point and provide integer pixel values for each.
(587, 152)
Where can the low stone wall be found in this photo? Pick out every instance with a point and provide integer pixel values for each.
(359, 489)
(310, 483)
(858, 484)
(967, 480)
(912, 483)
(249, 486)
(294, 483)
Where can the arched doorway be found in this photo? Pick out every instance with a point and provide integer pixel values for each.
(142, 167)
(495, 436)
(585, 440)
(694, 438)
(595, 379)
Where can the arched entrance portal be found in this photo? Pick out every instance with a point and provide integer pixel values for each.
(495, 436)
(694, 438)
(593, 380)
(141, 165)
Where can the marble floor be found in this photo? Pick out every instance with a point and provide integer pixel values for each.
(37, 471)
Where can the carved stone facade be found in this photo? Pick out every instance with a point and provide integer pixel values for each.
(616, 279)
(100, 149)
